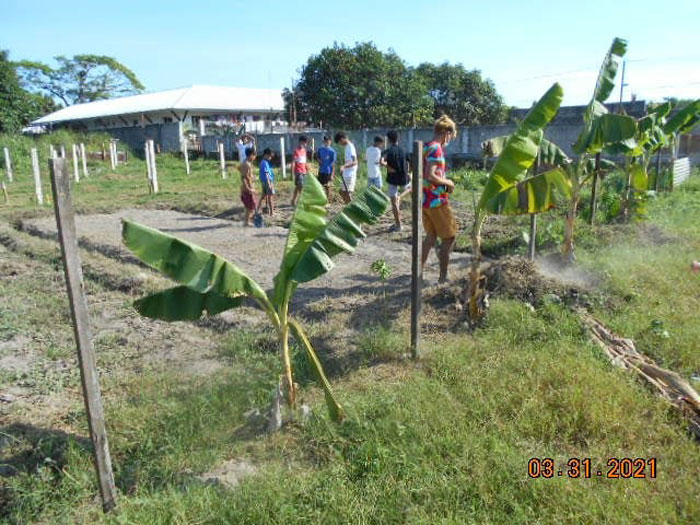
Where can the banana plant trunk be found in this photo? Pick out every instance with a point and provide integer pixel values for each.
(286, 357)
(570, 224)
(476, 310)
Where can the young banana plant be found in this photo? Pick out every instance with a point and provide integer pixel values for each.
(210, 284)
(510, 190)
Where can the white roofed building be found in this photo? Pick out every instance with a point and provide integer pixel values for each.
(164, 115)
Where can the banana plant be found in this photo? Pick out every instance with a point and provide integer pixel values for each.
(210, 284)
(510, 190)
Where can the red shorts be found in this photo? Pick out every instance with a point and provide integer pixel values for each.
(248, 200)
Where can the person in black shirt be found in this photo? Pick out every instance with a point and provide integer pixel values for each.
(397, 167)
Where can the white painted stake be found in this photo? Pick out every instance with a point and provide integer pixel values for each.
(222, 160)
(147, 152)
(37, 177)
(52, 152)
(187, 159)
(111, 155)
(63, 151)
(83, 156)
(283, 158)
(116, 154)
(76, 170)
(8, 164)
(154, 169)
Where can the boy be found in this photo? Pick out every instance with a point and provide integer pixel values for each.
(350, 166)
(373, 154)
(267, 178)
(326, 170)
(397, 169)
(246, 141)
(300, 168)
(247, 191)
(438, 219)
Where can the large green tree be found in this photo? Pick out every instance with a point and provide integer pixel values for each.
(462, 94)
(18, 107)
(82, 78)
(359, 87)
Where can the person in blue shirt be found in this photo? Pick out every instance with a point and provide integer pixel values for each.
(267, 179)
(326, 171)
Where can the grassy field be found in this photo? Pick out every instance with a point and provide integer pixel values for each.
(444, 440)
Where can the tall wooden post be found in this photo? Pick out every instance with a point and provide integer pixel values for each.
(283, 158)
(416, 247)
(63, 151)
(37, 177)
(111, 155)
(186, 154)
(594, 190)
(152, 165)
(83, 156)
(76, 171)
(8, 164)
(222, 159)
(52, 151)
(65, 220)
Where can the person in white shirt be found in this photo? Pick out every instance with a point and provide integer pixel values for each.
(350, 166)
(373, 155)
(243, 143)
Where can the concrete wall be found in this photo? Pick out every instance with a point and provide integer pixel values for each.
(165, 135)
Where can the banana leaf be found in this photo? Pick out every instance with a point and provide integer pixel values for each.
(606, 80)
(522, 147)
(184, 304)
(334, 408)
(639, 179)
(614, 133)
(535, 194)
(549, 153)
(662, 110)
(684, 120)
(313, 240)
(189, 264)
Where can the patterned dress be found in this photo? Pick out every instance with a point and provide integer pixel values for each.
(434, 196)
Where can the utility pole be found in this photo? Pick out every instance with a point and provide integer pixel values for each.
(622, 84)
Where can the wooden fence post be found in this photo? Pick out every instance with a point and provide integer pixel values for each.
(416, 247)
(52, 151)
(222, 159)
(283, 158)
(63, 151)
(65, 221)
(37, 177)
(533, 236)
(8, 164)
(111, 156)
(152, 163)
(76, 171)
(83, 156)
(186, 154)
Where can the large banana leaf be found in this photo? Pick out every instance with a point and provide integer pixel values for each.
(535, 194)
(184, 304)
(334, 408)
(549, 153)
(196, 268)
(312, 240)
(522, 147)
(609, 132)
(684, 120)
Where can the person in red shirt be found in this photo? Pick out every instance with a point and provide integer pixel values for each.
(300, 168)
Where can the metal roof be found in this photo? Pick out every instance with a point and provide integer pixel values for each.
(208, 99)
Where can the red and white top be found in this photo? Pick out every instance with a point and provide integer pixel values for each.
(300, 160)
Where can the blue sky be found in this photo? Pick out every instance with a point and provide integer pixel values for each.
(523, 46)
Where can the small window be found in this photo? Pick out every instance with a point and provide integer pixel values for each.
(167, 120)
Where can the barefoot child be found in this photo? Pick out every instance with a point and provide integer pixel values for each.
(267, 179)
(349, 168)
(247, 191)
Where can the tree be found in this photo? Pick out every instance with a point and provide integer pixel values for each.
(82, 78)
(17, 106)
(463, 95)
(359, 87)
(212, 284)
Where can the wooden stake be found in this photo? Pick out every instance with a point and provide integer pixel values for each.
(222, 160)
(154, 168)
(533, 236)
(65, 220)
(83, 156)
(594, 190)
(283, 158)
(186, 154)
(416, 246)
(63, 151)
(111, 155)
(76, 171)
(4, 192)
(52, 151)
(37, 177)
(8, 164)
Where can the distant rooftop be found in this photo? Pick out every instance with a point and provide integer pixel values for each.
(209, 99)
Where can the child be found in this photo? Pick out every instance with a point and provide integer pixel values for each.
(246, 141)
(350, 166)
(267, 178)
(300, 168)
(397, 168)
(326, 171)
(247, 191)
(373, 154)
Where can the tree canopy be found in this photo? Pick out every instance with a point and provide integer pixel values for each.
(18, 107)
(363, 87)
(82, 78)
(462, 94)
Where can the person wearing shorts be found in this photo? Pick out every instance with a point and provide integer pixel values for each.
(300, 168)
(438, 220)
(267, 180)
(326, 170)
(350, 166)
(373, 155)
(247, 192)
(397, 170)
